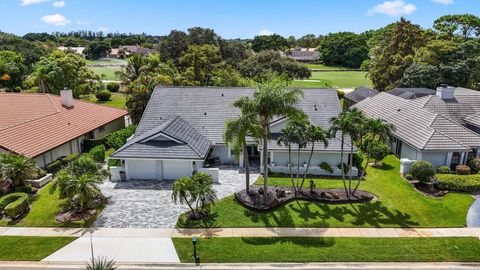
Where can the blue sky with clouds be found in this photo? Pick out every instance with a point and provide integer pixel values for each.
(229, 18)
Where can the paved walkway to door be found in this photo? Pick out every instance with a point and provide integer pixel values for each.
(148, 203)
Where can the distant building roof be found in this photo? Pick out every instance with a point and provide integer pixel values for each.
(31, 124)
(360, 93)
(78, 50)
(419, 127)
(411, 93)
(304, 55)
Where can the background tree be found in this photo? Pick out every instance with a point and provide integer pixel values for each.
(273, 42)
(307, 41)
(344, 49)
(97, 49)
(12, 69)
(200, 62)
(173, 46)
(30, 51)
(463, 25)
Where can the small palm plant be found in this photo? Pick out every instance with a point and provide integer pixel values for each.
(17, 168)
(101, 263)
(196, 192)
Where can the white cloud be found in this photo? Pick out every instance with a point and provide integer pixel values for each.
(444, 2)
(393, 8)
(80, 22)
(103, 29)
(59, 4)
(266, 32)
(56, 19)
(32, 2)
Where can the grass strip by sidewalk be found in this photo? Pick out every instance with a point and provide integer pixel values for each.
(325, 249)
(30, 248)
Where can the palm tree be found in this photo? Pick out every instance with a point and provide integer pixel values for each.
(17, 168)
(287, 138)
(236, 132)
(82, 190)
(373, 130)
(182, 192)
(314, 134)
(357, 120)
(270, 100)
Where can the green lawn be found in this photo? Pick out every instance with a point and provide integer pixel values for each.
(23, 248)
(325, 67)
(341, 249)
(106, 61)
(107, 73)
(334, 79)
(43, 208)
(398, 205)
(117, 100)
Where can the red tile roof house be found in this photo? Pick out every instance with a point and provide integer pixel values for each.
(46, 127)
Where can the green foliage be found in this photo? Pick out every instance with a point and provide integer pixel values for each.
(98, 153)
(326, 167)
(460, 183)
(422, 170)
(273, 42)
(409, 177)
(12, 69)
(17, 168)
(262, 65)
(340, 94)
(378, 150)
(14, 204)
(88, 144)
(113, 87)
(113, 162)
(97, 49)
(69, 158)
(474, 165)
(307, 41)
(462, 170)
(358, 159)
(118, 138)
(101, 263)
(344, 49)
(54, 166)
(196, 192)
(346, 168)
(464, 25)
(200, 62)
(103, 95)
(30, 51)
(137, 102)
(444, 170)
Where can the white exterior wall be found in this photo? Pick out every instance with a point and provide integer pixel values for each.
(333, 159)
(224, 153)
(150, 169)
(63, 150)
(436, 158)
(410, 152)
(109, 128)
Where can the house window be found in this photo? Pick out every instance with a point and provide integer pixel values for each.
(455, 160)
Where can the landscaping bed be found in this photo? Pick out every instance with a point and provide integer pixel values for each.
(280, 195)
(326, 249)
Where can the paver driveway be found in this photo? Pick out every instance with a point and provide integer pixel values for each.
(148, 204)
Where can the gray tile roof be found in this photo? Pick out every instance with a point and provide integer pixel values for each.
(304, 55)
(178, 140)
(411, 93)
(419, 127)
(207, 108)
(361, 93)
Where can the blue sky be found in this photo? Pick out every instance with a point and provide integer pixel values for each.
(229, 18)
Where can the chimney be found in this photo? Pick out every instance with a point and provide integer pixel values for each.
(67, 98)
(445, 92)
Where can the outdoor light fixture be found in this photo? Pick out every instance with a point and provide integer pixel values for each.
(195, 257)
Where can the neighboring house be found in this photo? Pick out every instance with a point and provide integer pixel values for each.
(307, 55)
(77, 50)
(411, 93)
(131, 49)
(425, 129)
(46, 127)
(360, 93)
(182, 130)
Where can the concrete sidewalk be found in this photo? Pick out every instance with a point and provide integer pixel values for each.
(241, 232)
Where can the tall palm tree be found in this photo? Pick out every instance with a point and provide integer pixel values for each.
(373, 129)
(236, 132)
(17, 168)
(287, 138)
(82, 190)
(357, 120)
(270, 100)
(314, 134)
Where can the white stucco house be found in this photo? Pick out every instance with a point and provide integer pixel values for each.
(441, 128)
(182, 128)
(46, 127)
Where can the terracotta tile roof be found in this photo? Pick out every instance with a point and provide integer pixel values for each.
(31, 124)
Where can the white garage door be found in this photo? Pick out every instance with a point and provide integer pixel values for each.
(141, 169)
(174, 169)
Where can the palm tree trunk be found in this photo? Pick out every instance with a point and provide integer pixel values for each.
(308, 165)
(265, 165)
(362, 175)
(341, 165)
(189, 205)
(247, 168)
(290, 167)
(298, 166)
(350, 164)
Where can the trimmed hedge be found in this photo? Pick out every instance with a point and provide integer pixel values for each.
(88, 144)
(103, 95)
(98, 153)
(422, 170)
(444, 170)
(14, 204)
(113, 87)
(54, 167)
(461, 183)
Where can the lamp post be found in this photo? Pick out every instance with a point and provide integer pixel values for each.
(195, 256)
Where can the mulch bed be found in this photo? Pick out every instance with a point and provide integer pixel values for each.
(428, 190)
(280, 195)
(71, 216)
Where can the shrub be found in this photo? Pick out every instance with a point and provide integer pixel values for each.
(461, 183)
(54, 166)
(69, 158)
(346, 168)
(118, 138)
(474, 165)
(462, 170)
(357, 160)
(422, 170)
(103, 95)
(88, 144)
(409, 177)
(444, 170)
(113, 163)
(26, 189)
(340, 94)
(113, 87)
(14, 204)
(98, 153)
(326, 167)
